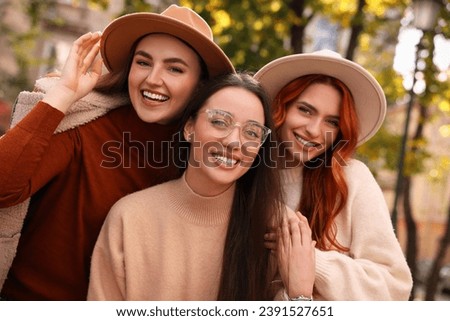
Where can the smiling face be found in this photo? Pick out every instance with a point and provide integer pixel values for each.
(312, 122)
(217, 161)
(164, 73)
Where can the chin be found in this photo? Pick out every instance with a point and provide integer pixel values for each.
(149, 117)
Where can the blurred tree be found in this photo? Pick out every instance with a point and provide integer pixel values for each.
(22, 44)
(251, 32)
(131, 6)
(434, 276)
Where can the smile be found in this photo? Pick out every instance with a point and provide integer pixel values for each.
(153, 96)
(225, 160)
(305, 142)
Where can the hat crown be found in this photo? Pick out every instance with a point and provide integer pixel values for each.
(180, 22)
(189, 18)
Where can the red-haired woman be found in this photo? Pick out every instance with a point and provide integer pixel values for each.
(324, 107)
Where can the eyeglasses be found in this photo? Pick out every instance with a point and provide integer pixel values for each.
(222, 124)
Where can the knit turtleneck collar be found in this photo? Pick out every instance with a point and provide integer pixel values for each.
(291, 175)
(198, 209)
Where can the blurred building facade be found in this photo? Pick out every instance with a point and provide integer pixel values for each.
(61, 24)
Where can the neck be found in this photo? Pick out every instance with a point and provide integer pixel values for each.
(204, 187)
(288, 161)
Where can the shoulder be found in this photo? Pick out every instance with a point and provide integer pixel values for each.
(355, 166)
(139, 203)
(364, 190)
(144, 197)
(359, 176)
(357, 170)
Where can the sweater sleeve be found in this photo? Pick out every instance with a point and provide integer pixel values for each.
(30, 155)
(107, 276)
(375, 267)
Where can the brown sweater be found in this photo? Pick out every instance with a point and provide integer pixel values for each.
(73, 179)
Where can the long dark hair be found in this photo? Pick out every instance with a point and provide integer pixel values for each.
(257, 199)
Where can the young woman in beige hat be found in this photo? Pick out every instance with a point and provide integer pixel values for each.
(324, 107)
(108, 142)
(200, 237)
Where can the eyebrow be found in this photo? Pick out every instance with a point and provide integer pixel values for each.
(167, 60)
(232, 116)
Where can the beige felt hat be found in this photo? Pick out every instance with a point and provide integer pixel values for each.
(369, 97)
(181, 22)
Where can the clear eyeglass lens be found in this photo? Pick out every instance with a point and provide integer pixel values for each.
(223, 124)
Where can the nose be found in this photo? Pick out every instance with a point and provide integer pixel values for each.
(314, 128)
(154, 76)
(233, 139)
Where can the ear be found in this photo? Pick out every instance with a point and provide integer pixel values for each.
(188, 130)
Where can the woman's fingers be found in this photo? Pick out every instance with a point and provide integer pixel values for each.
(284, 241)
(84, 43)
(305, 232)
(97, 66)
(285, 234)
(296, 233)
(301, 217)
(90, 52)
(270, 237)
(92, 59)
(270, 241)
(85, 49)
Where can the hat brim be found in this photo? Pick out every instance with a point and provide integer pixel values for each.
(120, 35)
(370, 101)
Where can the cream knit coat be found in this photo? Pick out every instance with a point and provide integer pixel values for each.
(374, 268)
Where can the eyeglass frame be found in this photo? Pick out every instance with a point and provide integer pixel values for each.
(234, 124)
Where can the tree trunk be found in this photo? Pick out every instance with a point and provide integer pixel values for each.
(357, 26)
(433, 277)
(298, 30)
(411, 244)
(412, 248)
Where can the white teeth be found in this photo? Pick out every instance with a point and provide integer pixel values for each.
(304, 142)
(154, 96)
(225, 160)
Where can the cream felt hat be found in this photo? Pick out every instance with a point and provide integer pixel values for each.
(181, 22)
(369, 97)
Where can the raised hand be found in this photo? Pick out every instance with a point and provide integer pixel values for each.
(80, 73)
(296, 256)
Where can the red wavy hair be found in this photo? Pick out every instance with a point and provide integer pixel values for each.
(325, 190)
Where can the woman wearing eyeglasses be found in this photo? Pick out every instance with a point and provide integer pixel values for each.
(201, 237)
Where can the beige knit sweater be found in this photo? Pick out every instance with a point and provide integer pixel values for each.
(162, 243)
(375, 267)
